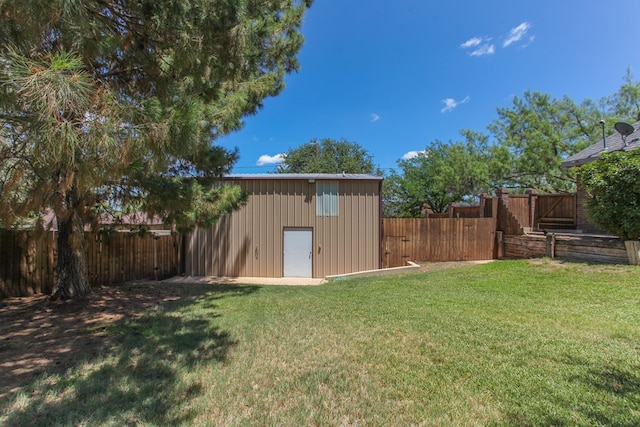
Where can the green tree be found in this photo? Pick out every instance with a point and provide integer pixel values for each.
(613, 185)
(327, 156)
(624, 105)
(536, 133)
(117, 103)
(442, 174)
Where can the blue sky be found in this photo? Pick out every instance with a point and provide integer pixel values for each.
(393, 76)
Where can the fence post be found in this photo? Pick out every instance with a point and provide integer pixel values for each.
(533, 200)
(503, 194)
(499, 248)
(494, 208)
(482, 203)
(550, 246)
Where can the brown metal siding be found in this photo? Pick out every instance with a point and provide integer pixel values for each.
(249, 242)
(349, 241)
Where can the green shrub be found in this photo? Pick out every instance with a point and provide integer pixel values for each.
(613, 186)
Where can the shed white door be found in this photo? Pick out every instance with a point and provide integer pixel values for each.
(298, 252)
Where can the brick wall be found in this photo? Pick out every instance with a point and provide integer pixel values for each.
(582, 219)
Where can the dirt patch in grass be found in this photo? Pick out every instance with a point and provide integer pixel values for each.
(556, 264)
(438, 266)
(38, 335)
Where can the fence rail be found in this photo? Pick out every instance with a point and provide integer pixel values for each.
(27, 260)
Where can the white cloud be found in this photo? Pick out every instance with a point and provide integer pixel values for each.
(450, 104)
(266, 159)
(411, 154)
(516, 34)
(472, 42)
(374, 117)
(485, 49)
(479, 46)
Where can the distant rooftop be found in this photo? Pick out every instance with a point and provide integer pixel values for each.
(611, 143)
(307, 176)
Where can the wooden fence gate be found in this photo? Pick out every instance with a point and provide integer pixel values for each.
(395, 251)
(556, 211)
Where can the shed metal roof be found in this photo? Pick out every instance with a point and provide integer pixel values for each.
(306, 176)
(612, 143)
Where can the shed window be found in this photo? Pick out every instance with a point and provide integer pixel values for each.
(326, 198)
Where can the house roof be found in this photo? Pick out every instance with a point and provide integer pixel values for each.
(50, 222)
(307, 176)
(611, 143)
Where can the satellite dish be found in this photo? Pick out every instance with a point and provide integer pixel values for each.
(625, 129)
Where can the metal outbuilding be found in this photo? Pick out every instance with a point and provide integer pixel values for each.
(293, 225)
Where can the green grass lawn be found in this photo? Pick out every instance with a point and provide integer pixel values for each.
(507, 343)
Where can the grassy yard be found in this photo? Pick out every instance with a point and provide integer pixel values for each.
(518, 343)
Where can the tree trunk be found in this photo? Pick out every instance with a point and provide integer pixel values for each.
(71, 266)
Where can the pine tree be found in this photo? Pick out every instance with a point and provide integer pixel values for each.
(117, 103)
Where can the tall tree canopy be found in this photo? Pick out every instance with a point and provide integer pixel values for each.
(538, 132)
(117, 102)
(327, 156)
(442, 174)
(624, 105)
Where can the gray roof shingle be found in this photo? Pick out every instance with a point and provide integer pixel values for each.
(613, 143)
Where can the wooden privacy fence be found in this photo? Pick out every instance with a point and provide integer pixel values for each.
(467, 233)
(437, 239)
(517, 212)
(540, 211)
(27, 261)
(507, 226)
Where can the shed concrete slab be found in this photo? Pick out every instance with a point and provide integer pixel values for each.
(273, 281)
